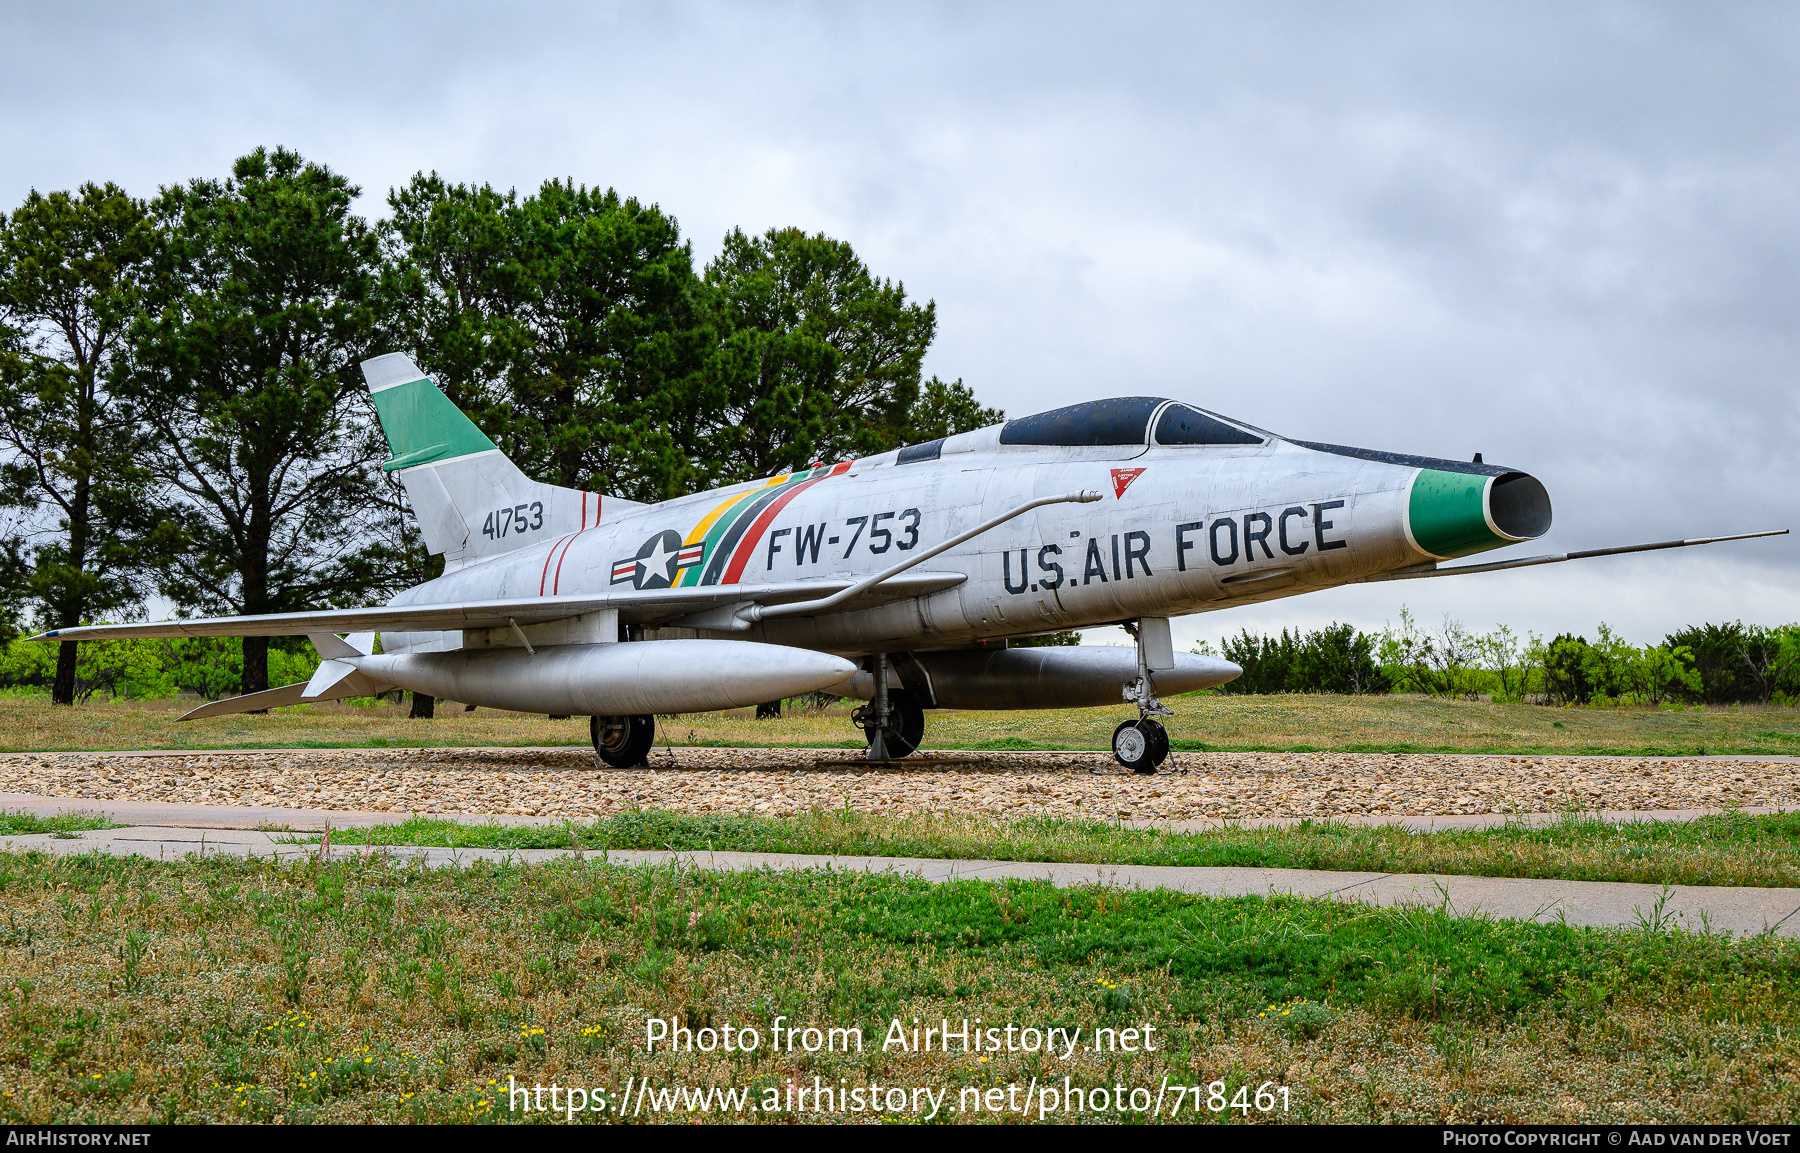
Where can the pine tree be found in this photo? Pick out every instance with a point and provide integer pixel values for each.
(71, 271)
(245, 366)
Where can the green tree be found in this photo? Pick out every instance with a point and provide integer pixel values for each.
(1769, 661)
(1569, 666)
(570, 326)
(15, 587)
(1336, 659)
(1268, 662)
(1719, 654)
(1045, 640)
(245, 366)
(1407, 655)
(944, 409)
(1501, 656)
(821, 359)
(1658, 673)
(71, 268)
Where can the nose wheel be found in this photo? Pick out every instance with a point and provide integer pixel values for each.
(1140, 745)
(623, 742)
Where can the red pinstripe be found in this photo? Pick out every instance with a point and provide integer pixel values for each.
(545, 575)
(556, 582)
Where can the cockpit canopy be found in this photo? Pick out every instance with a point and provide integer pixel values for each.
(1125, 420)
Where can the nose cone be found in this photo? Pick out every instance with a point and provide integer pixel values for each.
(1452, 514)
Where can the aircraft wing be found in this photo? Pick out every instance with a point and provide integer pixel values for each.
(647, 606)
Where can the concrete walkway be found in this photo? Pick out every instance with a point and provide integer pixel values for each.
(1694, 908)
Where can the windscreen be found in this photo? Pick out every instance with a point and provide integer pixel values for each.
(1180, 424)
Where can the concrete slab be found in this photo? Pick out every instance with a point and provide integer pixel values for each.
(1600, 904)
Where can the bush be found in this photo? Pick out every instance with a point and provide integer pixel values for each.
(1337, 659)
(1441, 664)
(1042, 640)
(1574, 672)
(1735, 663)
(1567, 675)
(208, 667)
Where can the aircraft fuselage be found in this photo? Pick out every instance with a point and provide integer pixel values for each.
(1180, 529)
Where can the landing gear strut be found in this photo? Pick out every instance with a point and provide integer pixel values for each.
(894, 722)
(1143, 744)
(623, 742)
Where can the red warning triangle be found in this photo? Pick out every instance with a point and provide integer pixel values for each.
(1122, 478)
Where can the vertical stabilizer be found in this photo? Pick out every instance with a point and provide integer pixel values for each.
(471, 501)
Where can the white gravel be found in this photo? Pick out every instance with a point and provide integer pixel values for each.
(776, 781)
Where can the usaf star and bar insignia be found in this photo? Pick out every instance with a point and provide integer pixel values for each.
(658, 562)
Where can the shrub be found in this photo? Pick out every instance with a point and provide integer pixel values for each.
(1336, 659)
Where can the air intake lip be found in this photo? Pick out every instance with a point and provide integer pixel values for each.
(1454, 514)
(1518, 506)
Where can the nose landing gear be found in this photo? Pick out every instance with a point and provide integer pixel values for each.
(1143, 744)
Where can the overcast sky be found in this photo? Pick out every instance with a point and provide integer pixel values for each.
(1562, 235)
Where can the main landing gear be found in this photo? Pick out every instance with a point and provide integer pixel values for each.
(894, 722)
(1143, 744)
(1140, 745)
(623, 742)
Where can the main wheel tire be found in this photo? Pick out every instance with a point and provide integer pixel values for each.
(1135, 745)
(906, 724)
(1159, 741)
(623, 742)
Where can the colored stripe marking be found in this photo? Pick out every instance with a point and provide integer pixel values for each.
(747, 546)
(544, 576)
(718, 523)
(556, 581)
(730, 533)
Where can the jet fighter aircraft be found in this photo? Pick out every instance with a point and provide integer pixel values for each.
(895, 579)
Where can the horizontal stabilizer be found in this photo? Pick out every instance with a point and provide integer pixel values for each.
(331, 681)
(332, 647)
(249, 703)
(1557, 558)
(335, 680)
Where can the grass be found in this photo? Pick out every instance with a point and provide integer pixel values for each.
(1727, 849)
(221, 990)
(1208, 721)
(20, 824)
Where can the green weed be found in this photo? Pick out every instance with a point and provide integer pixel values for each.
(1729, 848)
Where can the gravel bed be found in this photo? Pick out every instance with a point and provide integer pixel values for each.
(777, 781)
